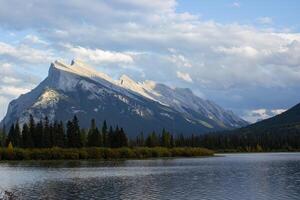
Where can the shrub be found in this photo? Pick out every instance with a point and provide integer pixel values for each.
(57, 153)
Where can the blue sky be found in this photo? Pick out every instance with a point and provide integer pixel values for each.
(244, 55)
(283, 14)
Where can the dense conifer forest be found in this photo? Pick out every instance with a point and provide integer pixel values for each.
(45, 134)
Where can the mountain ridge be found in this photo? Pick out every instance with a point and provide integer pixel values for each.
(78, 89)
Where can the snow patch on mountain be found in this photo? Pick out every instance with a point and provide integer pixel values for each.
(48, 99)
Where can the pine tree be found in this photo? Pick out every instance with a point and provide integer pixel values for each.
(26, 137)
(140, 140)
(165, 139)
(105, 134)
(61, 140)
(83, 137)
(77, 139)
(70, 135)
(110, 136)
(172, 141)
(32, 129)
(17, 135)
(73, 133)
(152, 140)
(92, 135)
(10, 136)
(38, 138)
(46, 133)
(123, 138)
(3, 135)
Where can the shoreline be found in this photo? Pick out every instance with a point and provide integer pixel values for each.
(97, 153)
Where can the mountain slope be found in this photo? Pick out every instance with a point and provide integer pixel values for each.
(78, 89)
(289, 117)
(287, 122)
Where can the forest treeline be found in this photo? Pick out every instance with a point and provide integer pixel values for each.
(43, 134)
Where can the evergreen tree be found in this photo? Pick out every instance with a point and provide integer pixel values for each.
(172, 141)
(10, 136)
(165, 139)
(73, 133)
(46, 133)
(3, 135)
(17, 135)
(152, 140)
(110, 136)
(77, 141)
(83, 137)
(32, 128)
(123, 139)
(26, 137)
(61, 140)
(93, 134)
(38, 137)
(70, 135)
(105, 134)
(140, 140)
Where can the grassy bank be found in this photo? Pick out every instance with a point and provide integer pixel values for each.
(100, 153)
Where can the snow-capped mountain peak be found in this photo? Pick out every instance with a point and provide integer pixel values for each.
(81, 69)
(145, 106)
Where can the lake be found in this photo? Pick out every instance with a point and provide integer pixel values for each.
(260, 176)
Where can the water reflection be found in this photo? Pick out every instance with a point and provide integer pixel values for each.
(238, 176)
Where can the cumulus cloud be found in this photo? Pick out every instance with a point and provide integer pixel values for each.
(25, 53)
(100, 56)
(12, 84)
(184, 76)
(180, 61)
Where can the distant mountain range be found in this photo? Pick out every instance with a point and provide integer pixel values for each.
(135, 106)
(286, 122)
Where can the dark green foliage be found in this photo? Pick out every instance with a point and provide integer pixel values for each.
(38, 135)
(47, 134)
(56, 153)
(73, 133)
(105, 135)
(2, 137)
(152, 140)
(26, 137)
(93, 135)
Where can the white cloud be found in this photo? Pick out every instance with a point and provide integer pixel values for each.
(184, 76)
(236, 5)
(100, 56)
(13, 91)
(33, 39)
(265, 20)
(180, 61)
(261, 114)
(246, 51)
(25, 53)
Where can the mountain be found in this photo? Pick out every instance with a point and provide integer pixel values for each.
(287, 118)
(147, 106)
(282, 124)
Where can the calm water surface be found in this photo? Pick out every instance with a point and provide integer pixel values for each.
(230, 176)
